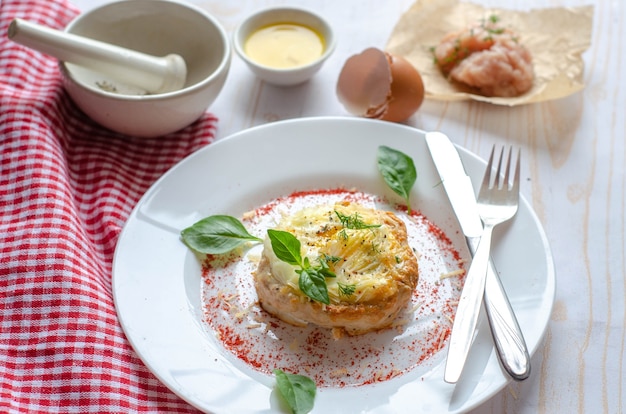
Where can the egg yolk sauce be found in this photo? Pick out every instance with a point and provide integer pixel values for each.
(284, 45)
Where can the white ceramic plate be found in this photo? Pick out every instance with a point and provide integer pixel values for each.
(157, 279)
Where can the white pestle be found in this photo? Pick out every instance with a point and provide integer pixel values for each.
(152, 73)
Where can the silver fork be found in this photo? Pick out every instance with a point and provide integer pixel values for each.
(497, 203)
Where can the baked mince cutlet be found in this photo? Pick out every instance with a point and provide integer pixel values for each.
(375, 269)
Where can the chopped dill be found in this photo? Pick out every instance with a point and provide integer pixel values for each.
(343, 234)
(330, 259)
(354, 222)
(376, 247)
(346, 290)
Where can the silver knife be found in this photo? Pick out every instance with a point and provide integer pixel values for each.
(508, 338)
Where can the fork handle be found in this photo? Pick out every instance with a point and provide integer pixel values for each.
(508, 338)
(507, 335)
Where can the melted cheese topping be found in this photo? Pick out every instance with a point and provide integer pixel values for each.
(366, 251)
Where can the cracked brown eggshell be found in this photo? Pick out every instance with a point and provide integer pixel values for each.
(376, 84)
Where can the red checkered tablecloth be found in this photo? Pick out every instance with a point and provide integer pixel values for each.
(66, 187)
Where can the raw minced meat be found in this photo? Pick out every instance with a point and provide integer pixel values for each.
(488, 58)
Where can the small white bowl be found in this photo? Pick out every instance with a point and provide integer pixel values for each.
(156, 27)
(275, 15)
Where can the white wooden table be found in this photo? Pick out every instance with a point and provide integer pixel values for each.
(574, 175)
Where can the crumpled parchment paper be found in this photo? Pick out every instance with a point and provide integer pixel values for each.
(556, 38)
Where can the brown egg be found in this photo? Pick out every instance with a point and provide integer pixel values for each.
(376, 84)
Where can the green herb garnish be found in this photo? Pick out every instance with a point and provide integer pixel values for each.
(376, 247)
(343, 234)
(330, 259)
(493, 19)
(354, 222)
(398, 171)
(312, 279)
(217, 235)
(346, 290)
(298, 391)
(323, 267)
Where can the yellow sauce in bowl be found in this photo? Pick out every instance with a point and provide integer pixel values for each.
(284, 45)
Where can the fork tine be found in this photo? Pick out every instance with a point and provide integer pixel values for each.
(487, 177)
(506, 183)
(496, 180)
(516, 177)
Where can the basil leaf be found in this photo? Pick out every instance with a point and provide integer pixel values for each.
(297, 390)
(313, 284)
(216, 235)
(285, 246)
(398, 171)
(324, 269)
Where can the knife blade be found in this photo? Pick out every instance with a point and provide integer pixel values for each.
(508, 338)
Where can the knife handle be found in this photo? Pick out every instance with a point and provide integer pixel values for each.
(508, 338)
